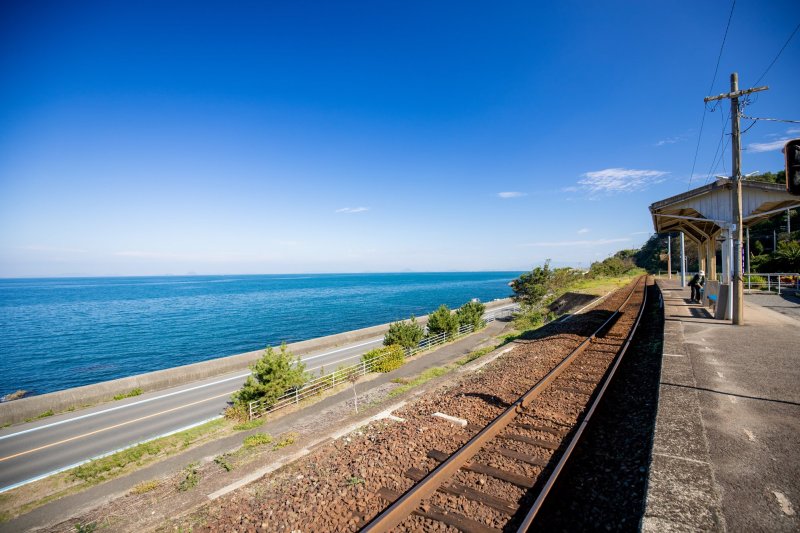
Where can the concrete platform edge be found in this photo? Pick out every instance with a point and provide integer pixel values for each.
(682, 492)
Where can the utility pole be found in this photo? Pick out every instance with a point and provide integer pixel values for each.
(736, 156)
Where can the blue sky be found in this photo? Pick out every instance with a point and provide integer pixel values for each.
(149, 138)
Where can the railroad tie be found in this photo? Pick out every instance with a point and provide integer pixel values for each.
(530, 440)
(524, 482)
(574, 390)
(554, 431)
(458, 489)
(433, 512)
(522, 457)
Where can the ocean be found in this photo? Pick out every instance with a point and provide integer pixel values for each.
(67, 332)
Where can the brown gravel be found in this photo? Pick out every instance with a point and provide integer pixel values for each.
(604, 484)
(336, 487)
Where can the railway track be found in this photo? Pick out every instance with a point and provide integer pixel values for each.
(535, 434)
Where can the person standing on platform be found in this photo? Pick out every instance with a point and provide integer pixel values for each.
(696, 284)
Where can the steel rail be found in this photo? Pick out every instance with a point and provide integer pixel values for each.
(537, 504)
(404, 506)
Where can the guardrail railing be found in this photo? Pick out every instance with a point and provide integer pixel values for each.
(772, 280)
(341, 375)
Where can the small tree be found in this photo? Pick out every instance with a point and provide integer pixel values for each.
(532, 287)
(442, 321)
(385, 359)
(406, 334)
(471, 313)
(273, 375)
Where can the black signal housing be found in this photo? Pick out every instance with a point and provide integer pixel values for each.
(791, 152)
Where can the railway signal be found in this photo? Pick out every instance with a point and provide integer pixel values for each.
(791, 152)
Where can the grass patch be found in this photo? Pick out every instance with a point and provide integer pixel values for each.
(287, 440)
(259, 439)
(88, 527)
(44, 414)
(191, 479)
(424, 377)
(112, 466)
(474, 355)
(353, 481)
(252, 424)
(222, 461)
(129, 394)
(601, 285)
(145, 486)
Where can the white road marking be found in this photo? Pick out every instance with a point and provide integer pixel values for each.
(674, 355)
(732, 399)
(749, 435)
(69, 467)
(785, 504)
(110, 409)
(720, 374)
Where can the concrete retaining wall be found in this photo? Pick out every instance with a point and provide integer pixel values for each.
(25, 408)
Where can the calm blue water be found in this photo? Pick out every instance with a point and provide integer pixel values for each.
(62, 333)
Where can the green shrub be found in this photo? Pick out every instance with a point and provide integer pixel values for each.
(385, 359)
(471, 313)
(259, 439)
(406, 334)
(529, 319)
(223, 462)
(442, 321)
(273, 375)
(191, 480)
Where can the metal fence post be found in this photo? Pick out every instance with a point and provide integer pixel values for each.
(769, 286)
(779, 283)
(296, 395)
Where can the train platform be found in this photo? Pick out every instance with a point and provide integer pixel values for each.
(725, 453)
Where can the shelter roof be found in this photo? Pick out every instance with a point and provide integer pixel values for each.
(702, 212)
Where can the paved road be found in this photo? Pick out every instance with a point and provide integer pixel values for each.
(38, 449)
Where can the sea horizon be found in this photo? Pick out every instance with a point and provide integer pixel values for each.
(64, 332)
(308, 273)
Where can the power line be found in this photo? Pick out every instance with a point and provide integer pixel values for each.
(788, 121)
(714, 161)
(724, 38)
(713, 80)
(779, 53)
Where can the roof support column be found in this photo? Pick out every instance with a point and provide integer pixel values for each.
(701, 257)
(711, 258)
(683, 262)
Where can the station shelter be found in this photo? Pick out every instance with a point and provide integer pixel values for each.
(705, 216)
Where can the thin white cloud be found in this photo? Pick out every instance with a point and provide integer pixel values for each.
(674, 139)
(511, 194)
(571, 188)
(583, 230)
(351, 210)
(617, 180)
(641, 233)
(596, 242)
(768, 146)
(793, 130)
